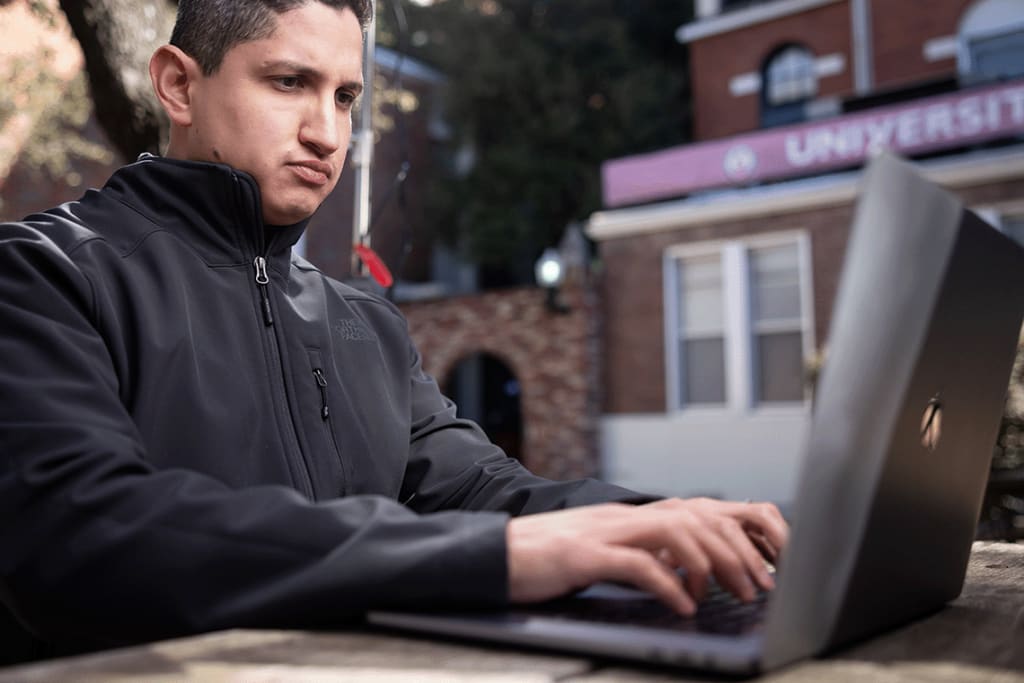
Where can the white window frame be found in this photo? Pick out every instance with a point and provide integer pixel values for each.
(795, 85)
(985, 19)
(738, 333)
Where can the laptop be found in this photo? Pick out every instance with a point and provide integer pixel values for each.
(906, 413)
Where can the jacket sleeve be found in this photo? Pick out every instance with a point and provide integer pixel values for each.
(453, 465)
(99, 548)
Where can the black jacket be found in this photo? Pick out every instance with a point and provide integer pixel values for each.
(188, 445)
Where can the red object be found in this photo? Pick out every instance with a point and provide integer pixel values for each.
(378, 271)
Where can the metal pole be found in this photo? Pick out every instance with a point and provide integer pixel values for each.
(362, 151)
(863, 47)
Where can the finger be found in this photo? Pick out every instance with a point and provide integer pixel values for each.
(728, 566)
(693, 531)
(764, 546)
(766, 519)
(639, 568)
(763, 523)
(688, 555)
(742, 544)
(666, 557)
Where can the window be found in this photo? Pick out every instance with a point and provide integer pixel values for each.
(992, 41)
(701, 330)
(738, 323)
(790, 81)
(776, 323)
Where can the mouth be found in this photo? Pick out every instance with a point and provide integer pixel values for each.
(313, 172)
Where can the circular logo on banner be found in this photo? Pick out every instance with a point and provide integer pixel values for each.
(740, 162)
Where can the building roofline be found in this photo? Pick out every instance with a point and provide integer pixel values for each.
(730, 21)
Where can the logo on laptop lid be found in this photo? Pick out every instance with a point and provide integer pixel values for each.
(931, 424)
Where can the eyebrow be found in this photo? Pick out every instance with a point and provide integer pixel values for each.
(309, 72)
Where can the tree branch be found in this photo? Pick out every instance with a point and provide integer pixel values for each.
(117, 39)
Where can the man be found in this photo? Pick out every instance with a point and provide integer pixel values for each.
(199, 430)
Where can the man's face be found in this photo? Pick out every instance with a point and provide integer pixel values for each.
(280, 109)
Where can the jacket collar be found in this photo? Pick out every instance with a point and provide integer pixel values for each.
(215, 207)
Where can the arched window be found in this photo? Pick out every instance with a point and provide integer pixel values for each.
(992, 41)
(789, 81)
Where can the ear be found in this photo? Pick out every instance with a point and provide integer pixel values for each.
(173, 73)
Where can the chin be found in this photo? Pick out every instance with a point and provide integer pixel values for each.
(288, 217)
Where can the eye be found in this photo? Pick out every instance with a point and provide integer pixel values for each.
(345, 98)
(288, 82)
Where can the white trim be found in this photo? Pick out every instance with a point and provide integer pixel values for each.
(806, 257)
(983, 19)
(943, 47)
(745, 84)
(792, 196)
(736, 297)
(830, 65)
(707, 8)
(670, 315)
(863, 47)
(730, 21)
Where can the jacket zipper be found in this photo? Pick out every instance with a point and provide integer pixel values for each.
(325, 415)
(262, 280)
(321, 382)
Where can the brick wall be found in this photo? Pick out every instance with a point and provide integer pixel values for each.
(715, 60)
(899, 31)
(553, 356)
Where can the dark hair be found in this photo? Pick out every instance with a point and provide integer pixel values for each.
(206, 29)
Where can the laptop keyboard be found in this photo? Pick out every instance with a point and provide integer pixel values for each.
(719, 613)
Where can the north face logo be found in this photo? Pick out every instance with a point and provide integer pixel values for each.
(353, 329)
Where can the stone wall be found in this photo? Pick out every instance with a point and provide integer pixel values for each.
(554, 357)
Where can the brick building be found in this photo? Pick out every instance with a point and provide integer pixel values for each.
(722, 256)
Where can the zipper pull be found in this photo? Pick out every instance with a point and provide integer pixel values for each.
(262, 280)
(321, 382)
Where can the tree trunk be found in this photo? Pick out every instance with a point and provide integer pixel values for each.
(117, 39)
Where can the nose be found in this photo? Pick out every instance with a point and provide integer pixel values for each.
(321, 129)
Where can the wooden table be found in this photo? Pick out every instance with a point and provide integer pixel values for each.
(979, 637)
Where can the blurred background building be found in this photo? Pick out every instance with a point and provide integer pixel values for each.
(722, 256)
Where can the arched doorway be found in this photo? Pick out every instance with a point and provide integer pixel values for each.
(487, 392)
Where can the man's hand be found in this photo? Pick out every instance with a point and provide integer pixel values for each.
(554, 553)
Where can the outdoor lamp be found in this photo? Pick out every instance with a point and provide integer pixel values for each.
(550, 274)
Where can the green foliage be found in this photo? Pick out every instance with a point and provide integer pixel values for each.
(543, 92)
